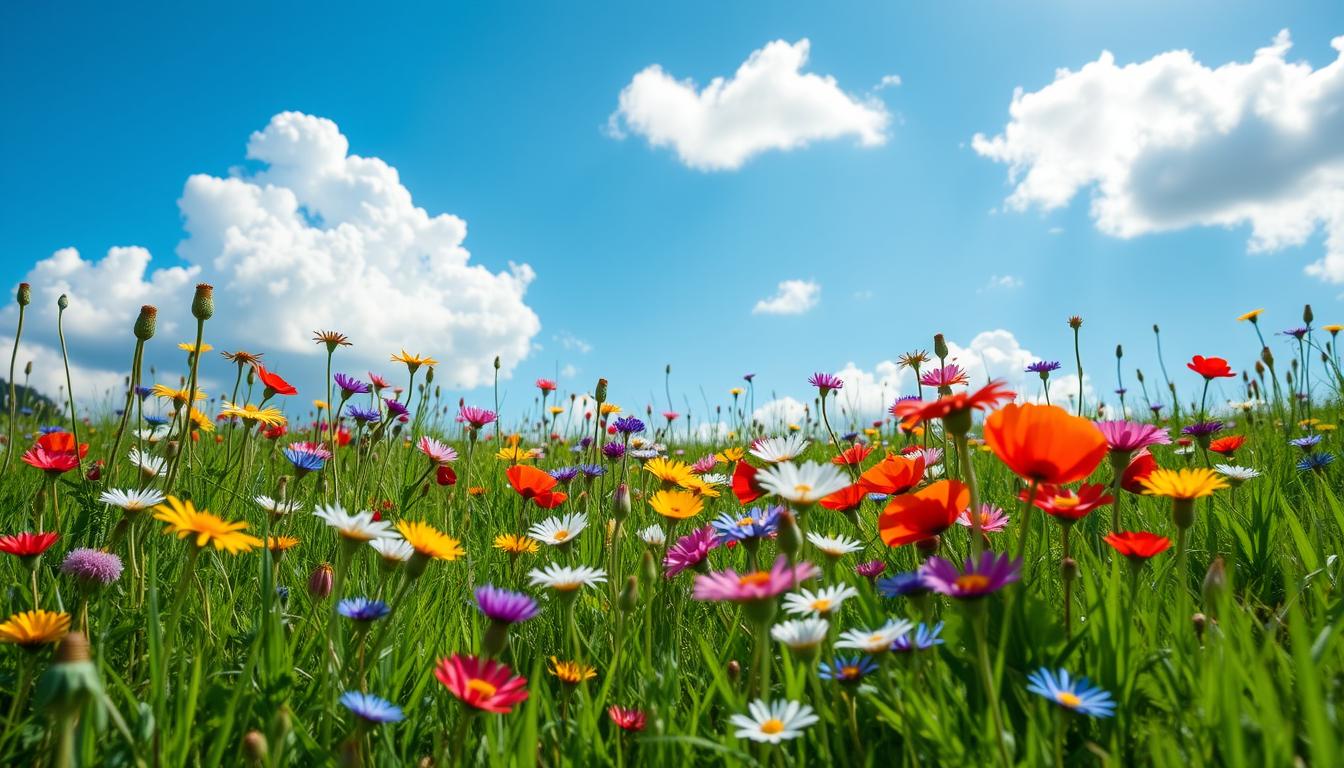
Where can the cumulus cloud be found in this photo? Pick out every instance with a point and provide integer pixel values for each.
(792, 297)
(769, 103)
(316, 238)
(868, 394)
(997, 354)
(779, 413)
(1170, 143)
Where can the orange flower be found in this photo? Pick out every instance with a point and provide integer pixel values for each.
(893, 475)
(1227, 445)
(1044, 443)
(535, 486)
(846, 499)
(1069, 505)
(913, 411)
(273, 381)
(924, 513)
(853, 455)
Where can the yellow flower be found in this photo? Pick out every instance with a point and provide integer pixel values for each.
(1308, 422)
(184, 520)
(1333, 328)
(669, 471)
(429, 541)
(178, 396)
(1252, 315)
(571, 672)
(278, 544)
(516, 545)
(187, 346)
(735, 391)
(30, 628)
(609, 408)
(699, 487)
(413, 362)
(677, 505)
(556, 410)
(794, 428)
(201, 421)
(730, 455)
(1183, 483)
(320, 405)
(1325, 427)
(516, 453)
(270, 417)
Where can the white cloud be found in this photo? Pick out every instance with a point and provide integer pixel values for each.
(315, 239)
(888, 81)
(573, 343)
(792, 297)
(777, 414)
(568, 371)
(1001, 283)
(868, 394)
(1170, 143)
(769, 103)
(997, 354)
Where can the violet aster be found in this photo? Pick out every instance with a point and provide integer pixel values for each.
(1130, 436)
(690, 551)
(350, 385)
(871, 569)
(565, 475)
(825, 382)
(1296, 333)
(922, 638)
(370, 708)
(628, 425)
(505, 606)
(907, 584)
(92, 567)
(978, 577)
(1202, 429)
(592, 470)
(1305, 443)
(613, 450)
(363, 415)
(395, 408)
(1042, 367)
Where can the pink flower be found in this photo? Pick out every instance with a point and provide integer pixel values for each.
(437, 452)
(1130, 436)
(753, 586)
(690, 551)
(992, 519)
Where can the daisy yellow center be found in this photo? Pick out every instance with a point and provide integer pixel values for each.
(972, 582)
(754, 579)
(745, 522)
(772, 726)
(802, 489)
(568, 586)
(1068, 699)
(821, 605)
(561, 535)
(481, 687)
(876, 638)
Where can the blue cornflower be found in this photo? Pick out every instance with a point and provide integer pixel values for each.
(367, 415)
(1296, 333)
(283, 594)
(362, 609)
(1077, 695)
(156, 421)
(849, 437)
(143, 392)
(922, 639)
(848, 671)
(1305, 443)
(1156, 408)
(755, 524)
(592, 470)
(628, 425)
(576, 449)
(878, 498)
(371, 708)
(1042, 367)
(902, 585)
(1315, 462)
(304, 461)
(47, 430)
(565, 474)
(350, 385)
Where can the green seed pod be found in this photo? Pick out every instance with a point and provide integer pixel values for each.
(496, 362)
(429, 376)
(629, 599)
(63, 302)
(203, 303)
(649, 568)
(939, 346)
(601, 392)
(71, 681)
(620, 506)
(146, 322)
(1119, 351)
(28, 369)
(790, 538)
(25, 296)
(1307, 316)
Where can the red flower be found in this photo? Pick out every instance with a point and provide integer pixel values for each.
(535, 486)
(1140, 467)
(924, 513)
(846, 499)
(62, 442)
(273, 381)
(893, 475)
(445, 475)
(1210, 367)
(27, 544)
(546, 385)
(1138, 546)
(1227, 445)
(484, 684)
(745, 487)
(276, 432)
(1067, 504)
(914, 411)
(853, 455)
(1045, 443)
(626, 719)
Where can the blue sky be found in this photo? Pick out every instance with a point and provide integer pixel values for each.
(497, 113)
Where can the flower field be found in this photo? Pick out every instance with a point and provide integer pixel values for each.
(378, 573)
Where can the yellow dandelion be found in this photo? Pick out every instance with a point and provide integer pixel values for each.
(428, 541)
(735, 391)
(1333, 328)
(270, 417)
(33, 628)
(516, 545)
(281, 544)
(794, 428)
(607, 409)
(1252, 315)
(516, 453)
(571, 672)
(556, 410)
(1186, 483)
(669, 471)
(201, 421)
(476, 490)
(1325, 427)
(320, 405)
(730, 455)
(187, 346)
(185, 520)
(699, 487)
(677, 505)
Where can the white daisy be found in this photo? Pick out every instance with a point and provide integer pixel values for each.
(834, 546)
(564, 578)
(133, 500)
(1184, 450)
(393, 549)
(653, 536)
(276, 507)
(1237, 475)
(357, 527)
(153, 434)
(801, 634)
(712, 478)
(802, 485)
(933, 471)
(875, 640)
(559, 530)
(823, 602)
(780, 449)
(148, 464)
(773, 722)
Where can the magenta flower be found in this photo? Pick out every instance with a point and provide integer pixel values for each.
(753, 586)
(690, 551)
(871, 569)
(825, 382)
(475, 417)
(505, 606)
(1130, 436)
(946, 376)
(92, 567)
(992, 519)
(978, 578)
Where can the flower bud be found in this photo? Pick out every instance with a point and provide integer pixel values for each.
(1199, 621)
(429, 376)
(600, 393)
(28, 369)
(939, 346)
(1068, 569)
(496, 362)
(1215, 585)
(1267, 356)
(63, 302)
(929, 546)
(203, 303)
(321, 581)
(649, 568)
(1138, 373)
(1076, 322)
(1119, 351)
(72, 679)
(620, 507)
(629, 599)
(255, 749)
(25, 296)
(789, 537)
(1307, 316)
(734, 670)
(145, 323)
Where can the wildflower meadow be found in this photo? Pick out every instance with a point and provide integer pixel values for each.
(380, 573)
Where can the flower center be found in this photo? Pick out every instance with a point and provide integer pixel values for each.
(1068, 699)
(746, 522)
(821, 605)
(802, 489)
(972, 582)
(1067, 502)
(772, 726)
(754, 579)
(481, 687)
(850, 672)
(561, 535)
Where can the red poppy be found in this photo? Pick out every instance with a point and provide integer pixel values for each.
(273, 381)
(853, 455)
(445, 475)
(1227, 445)
(923, 514)
(745, 487)
(846, 499)
(27, 544)
(988, 396)
(1045, 443)
(1140, 467)
(893, 475)
(1138, 546)
(1067, 504)
(62, 442)
(55, 453)
(276, 432)
(535, 486)
(1210, 367)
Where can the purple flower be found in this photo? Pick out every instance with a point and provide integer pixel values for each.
(922, 639)
(748, 376)
(304, 461)
(1130, 436)
(362, 609)
(613, 450)
(825, 382)
(1202, 428)
(689, 551)
(754, 524)
(504, 606)
(628, 425)
(366, 415)
(92, 567)
(350, 385)
(592, 470)
(1043, 367)
(978, 578)
(1305, 443)
(395, 408)
(565, 474)
(1296, 333)
(871, 569)
(902, 585)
